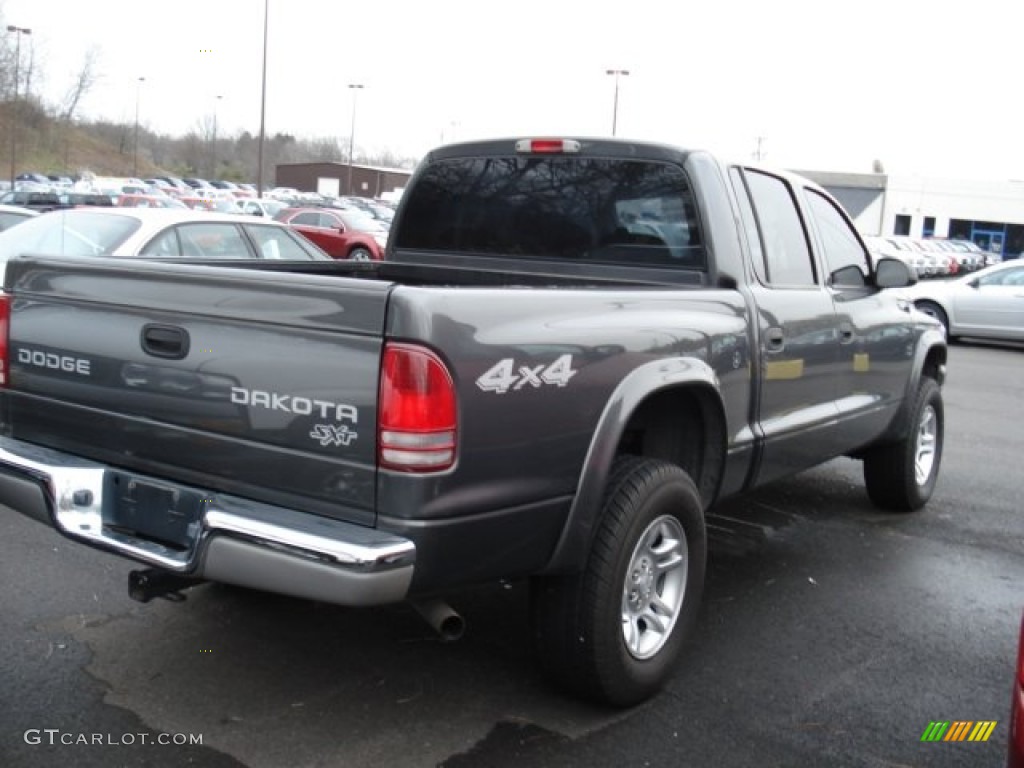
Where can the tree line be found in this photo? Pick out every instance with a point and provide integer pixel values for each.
(54, 138)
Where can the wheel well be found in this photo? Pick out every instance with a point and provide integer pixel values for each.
(935, 364)
(684, 426)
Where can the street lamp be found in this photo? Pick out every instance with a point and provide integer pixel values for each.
(15, 112)
(263, 103)
(135, 148)
(356, 87)
(615, 108)
(214, 172)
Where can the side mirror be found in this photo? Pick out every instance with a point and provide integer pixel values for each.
(849, 276)
(893, 273)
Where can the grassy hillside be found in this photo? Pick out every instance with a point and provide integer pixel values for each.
(47, 145)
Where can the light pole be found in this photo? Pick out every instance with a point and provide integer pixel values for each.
(135, 147)
(263, 103)
(356, 87)
(615, 108)
(213, 173)
(15, 112)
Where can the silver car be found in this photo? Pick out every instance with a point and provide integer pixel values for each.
(988, 303)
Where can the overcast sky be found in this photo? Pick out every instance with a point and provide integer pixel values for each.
(931, 88)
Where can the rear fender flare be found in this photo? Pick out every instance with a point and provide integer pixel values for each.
(643, 382)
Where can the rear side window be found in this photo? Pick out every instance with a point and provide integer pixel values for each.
(68, 233)
(787, 254)
(627, 212)
(307, 218)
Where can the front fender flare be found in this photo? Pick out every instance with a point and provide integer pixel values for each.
(931, 341)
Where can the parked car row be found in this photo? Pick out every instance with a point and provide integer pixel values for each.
(155, 233)
(932, 257)
(345, 228)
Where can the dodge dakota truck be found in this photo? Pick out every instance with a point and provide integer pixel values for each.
(572, 350)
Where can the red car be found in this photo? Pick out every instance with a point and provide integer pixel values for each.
(342, 234)
(147, 201)
(1015, 759)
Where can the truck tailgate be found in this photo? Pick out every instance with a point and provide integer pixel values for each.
(255, 383)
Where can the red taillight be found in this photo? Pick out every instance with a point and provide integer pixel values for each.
(5, 329)
(1016, 758)
(417, 422)
(548, 146)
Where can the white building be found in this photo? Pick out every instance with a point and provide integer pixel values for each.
(991, 213)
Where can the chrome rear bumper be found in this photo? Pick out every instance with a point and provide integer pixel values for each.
(236, 540)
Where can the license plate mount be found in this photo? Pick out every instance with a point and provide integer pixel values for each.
(153, 511)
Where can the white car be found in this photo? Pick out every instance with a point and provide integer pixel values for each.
(988, 303)
(261, 206)
(919, 262)
(156, 233)
(13, 214)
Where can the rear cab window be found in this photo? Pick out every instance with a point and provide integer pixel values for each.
(626, 212)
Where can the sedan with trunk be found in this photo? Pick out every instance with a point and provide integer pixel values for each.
(343, 234)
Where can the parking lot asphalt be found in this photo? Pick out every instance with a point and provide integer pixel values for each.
(831, 635)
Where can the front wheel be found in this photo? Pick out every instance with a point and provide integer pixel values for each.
(932, 309)
(613, 632)
(901, 476)
(360, 254)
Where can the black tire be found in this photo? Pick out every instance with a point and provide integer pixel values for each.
(360, 254)
(932, 309)
(901, 476)
(579, 621)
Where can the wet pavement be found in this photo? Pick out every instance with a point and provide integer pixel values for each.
(831, 635)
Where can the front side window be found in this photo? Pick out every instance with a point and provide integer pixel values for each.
(845, 257)
(164, 244)
(1013, 276)
(279, 243)
(557, 207)
(330, 221)
(213, 241)
(787, 254)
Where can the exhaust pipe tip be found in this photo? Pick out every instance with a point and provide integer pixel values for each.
(444, 620)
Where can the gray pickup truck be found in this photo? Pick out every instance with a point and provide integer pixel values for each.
(572, 351)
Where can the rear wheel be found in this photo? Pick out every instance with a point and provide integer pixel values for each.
(901, 476)
(613, 632)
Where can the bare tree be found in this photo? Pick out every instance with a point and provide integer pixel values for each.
(87, 77)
